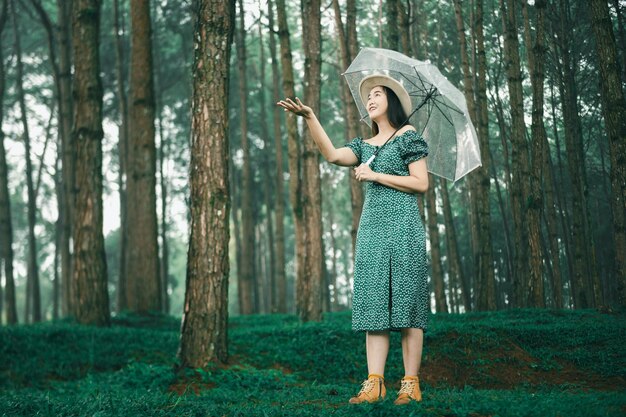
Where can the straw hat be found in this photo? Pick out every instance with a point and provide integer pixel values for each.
(372, 81)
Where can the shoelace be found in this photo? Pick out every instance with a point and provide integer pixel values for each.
(368, 385)
(407, 387)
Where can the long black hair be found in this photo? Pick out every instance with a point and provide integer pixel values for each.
(395, 113)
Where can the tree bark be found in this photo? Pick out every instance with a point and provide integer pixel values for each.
(392, 36)
(583, 248)
(487, 298)
(143, 290)
(468, 88)
(279, 204)
(235, 204)
(89, 280)
(56, 284)
(204, 330)
(122, 147)
(164, 265)
(293, 142)
(614, 112)
(334, 302)
(552, 219)
(348, 46)
(560, 199)
(6, 229)
(536, 54)
(480, 181)
(68, 150)
(441, 305)
(456, 269)
(309, 296)
(32, 281)
(519, 155)
(267, 180)
(248, 273)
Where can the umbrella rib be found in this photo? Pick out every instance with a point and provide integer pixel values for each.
(424, 88)
(443, 114)
(419, 77)
(434, 97)
(446, 105)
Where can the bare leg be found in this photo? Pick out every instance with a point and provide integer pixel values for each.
(412, 341)
(377, 345)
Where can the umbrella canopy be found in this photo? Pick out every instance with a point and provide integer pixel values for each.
(442, 117)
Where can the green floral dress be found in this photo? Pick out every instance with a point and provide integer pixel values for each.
(391, 269)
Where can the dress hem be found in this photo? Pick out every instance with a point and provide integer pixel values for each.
(393, 329)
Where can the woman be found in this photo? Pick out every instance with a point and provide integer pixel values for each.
(390, 273)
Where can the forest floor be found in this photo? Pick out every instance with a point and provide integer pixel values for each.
(523, 362)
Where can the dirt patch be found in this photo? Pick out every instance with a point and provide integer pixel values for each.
(193, 384)
(505, 366)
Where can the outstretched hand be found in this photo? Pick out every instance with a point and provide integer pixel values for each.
(296, 107)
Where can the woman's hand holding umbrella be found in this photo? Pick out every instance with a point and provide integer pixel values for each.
(364, 173)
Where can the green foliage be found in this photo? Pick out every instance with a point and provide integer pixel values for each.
(281, 367)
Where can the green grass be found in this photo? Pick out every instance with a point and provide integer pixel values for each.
(509, 363)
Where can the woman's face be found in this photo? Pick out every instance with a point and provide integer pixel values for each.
(377, 103)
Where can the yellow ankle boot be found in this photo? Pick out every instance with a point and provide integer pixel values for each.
(410, 391)
(372, 390)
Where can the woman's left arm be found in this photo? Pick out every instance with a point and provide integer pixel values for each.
(415, 182)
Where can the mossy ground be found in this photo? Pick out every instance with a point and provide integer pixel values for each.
(509, 363)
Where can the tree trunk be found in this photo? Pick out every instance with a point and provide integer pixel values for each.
(164, 266)
(441, 305)
(279, 209)
(487, 298)
(122, 147)
(348, 46)
(621, 51)
(583, 263)
(562, 205)
(309, 298)
(6, 229)
(295, 163)
(204, 330)
(392, 38)
(334, 306)
(89, 280)
(456, 269)
(235, 204)
(247, 221)
(614, 111)
(56, 284)
(535, 294)
(551, 224)
(32, 281)
(63, 131)
(520, 189)
(143, 288)
(67, 149)
(468, 87)
(267, 180)
(480, 181)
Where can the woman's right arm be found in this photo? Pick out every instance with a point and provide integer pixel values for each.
(342, 156)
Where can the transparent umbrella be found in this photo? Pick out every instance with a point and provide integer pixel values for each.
(439, 109)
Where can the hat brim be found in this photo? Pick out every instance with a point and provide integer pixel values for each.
(372, 81)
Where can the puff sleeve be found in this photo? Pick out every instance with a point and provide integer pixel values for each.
(355, 145)
(413, 147)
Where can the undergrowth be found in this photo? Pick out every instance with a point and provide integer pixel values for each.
(523, 362)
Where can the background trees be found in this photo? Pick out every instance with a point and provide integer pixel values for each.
(557, 196)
